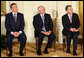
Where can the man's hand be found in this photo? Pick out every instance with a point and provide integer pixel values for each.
(16, 34)
(76, 30)
(43, 32)
(71, 29)
(46, 33)
(49, 32)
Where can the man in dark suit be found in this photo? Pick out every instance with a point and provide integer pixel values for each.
(14, 24)
(43, 27)
(71, 25)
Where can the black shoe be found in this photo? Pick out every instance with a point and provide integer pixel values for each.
(10, 54)
(68, 51)
(21, 54)
(46, 51)
(74, 53)
(39, 52)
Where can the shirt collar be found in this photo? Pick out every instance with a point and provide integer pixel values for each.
(69, 15)
(41, 15)
(14, 13)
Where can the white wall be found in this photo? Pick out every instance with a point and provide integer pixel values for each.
(29, 9)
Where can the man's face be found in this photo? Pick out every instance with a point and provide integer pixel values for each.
(70, 10)
(14, 8)
(42, 10)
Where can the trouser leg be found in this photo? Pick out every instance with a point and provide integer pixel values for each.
(23, 39)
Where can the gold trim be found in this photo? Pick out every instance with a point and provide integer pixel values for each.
(3, 8)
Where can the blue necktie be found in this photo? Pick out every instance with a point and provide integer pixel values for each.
(43, 19)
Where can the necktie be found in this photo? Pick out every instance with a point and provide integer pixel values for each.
(43, 23)
(43, 19)
(70, 19)
(15, 17)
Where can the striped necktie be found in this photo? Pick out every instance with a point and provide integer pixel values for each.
(70, 19)
(15, 17)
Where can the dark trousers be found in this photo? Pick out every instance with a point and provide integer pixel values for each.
(73, 35)
(22, 38)
(51, 38)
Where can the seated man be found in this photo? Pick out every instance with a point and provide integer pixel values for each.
(43, 27)
(14, 24)
(71, 25)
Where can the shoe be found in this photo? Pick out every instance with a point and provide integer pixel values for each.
(39, 52)
(68, 51)
(74, 53)
(10, 54)
(21, 54)
(46, 51)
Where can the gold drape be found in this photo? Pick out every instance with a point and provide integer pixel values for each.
(81, 16)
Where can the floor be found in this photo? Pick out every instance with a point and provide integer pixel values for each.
(31, 51)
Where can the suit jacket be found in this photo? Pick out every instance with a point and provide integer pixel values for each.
(11, 25)
(67, 25)
(38, 23)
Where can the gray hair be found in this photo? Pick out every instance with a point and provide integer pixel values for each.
(40, 6)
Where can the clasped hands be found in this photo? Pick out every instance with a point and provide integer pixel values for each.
(74, 29)
(16, 34)
(46, 32)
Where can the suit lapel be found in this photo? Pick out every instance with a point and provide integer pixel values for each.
(68, 18)
(17, 18)
(12, 18)
(40, 19)
(13, 21)
(72, 18)
(45, 19)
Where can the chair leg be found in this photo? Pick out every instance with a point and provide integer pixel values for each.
(63, 44)
(6, 48)
(55, 45)
(81, 45)
(6, 51)
(36, 45)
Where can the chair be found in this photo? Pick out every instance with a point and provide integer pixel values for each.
(6, 47)
(80, 41)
